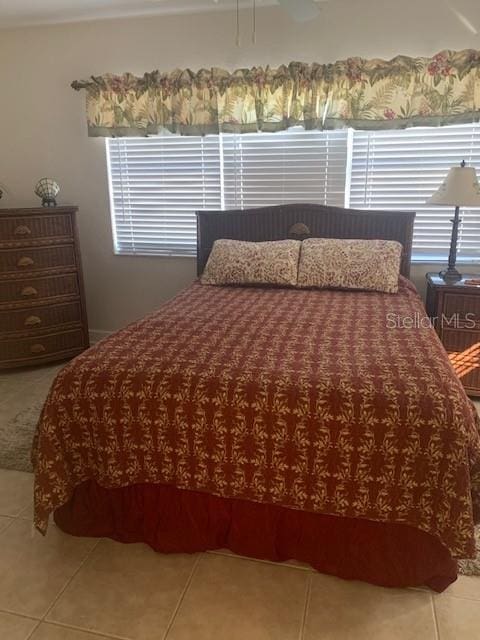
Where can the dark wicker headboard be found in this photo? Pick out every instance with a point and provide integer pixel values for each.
(303, 221)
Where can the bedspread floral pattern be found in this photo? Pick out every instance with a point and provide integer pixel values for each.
(301, 398)
(359, 93)
(238, 262)
(350, 264)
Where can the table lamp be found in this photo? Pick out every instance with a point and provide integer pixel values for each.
(459, 189)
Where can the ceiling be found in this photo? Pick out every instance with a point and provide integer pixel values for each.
(19, 13)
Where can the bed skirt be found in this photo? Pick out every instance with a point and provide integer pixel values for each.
(172, 520)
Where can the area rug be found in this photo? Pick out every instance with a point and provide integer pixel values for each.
(16, 436)
(471, 567)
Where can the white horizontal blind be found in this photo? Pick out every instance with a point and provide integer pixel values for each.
(399, 170)
(156, 185)
(263, 169)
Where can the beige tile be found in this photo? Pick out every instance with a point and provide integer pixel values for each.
(4, 522)
(34, 569)
(238, 599)
(465, 587)
(124, 590)
(15, 627)
(457, 619)
(347, 610)
(48, 631)
(287, 563)
(27, 513)
(16, 491)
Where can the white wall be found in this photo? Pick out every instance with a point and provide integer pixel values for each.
(42, 123)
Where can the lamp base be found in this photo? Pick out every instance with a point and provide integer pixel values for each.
(450, 275)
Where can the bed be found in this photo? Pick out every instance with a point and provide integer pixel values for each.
(279, 423)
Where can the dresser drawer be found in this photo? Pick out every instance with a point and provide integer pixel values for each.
(25, 228)
(35, 259)
(40, 317)
(41, 347)
(462, 307)
(33, 289)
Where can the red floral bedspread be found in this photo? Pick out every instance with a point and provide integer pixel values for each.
(300, 398)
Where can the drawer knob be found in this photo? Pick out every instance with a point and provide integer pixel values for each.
(27, 292)
(22, 230)
(25, 262)
(37, 348)
(31, 321)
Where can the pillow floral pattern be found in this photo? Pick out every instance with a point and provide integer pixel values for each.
(350, 264)
(239, 262)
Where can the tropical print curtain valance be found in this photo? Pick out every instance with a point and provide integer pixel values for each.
(358, 93)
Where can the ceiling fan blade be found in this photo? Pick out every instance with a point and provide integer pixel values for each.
(462, 18)
(300, 10)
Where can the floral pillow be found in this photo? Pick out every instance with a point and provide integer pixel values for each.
(350, 264)
(239, 262)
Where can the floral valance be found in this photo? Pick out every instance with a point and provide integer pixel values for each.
(358, 93)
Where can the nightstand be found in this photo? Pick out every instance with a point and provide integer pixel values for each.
(455, 308)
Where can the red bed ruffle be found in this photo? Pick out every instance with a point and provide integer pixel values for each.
(172, 520)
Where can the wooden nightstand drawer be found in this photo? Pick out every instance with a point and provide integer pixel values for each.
(30, 290)
(31, 259)
(40, 317)
(22, 230)
(15, 350)
(465, 307)
(458, 340)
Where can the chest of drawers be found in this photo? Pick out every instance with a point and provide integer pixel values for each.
(42, 300)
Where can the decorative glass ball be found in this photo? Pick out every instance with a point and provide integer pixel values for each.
(47, 189)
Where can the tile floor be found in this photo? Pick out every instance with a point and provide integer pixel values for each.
(65, 588)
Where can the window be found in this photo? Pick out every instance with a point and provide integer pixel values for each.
(277, 168)
(401, 169)
(157, 183)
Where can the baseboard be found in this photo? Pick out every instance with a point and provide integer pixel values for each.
(97, 334)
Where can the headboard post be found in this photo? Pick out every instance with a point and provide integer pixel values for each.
(300, 221)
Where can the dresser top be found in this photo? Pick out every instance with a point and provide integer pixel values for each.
(35, 211)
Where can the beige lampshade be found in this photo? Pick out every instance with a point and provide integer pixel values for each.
(459, 189)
